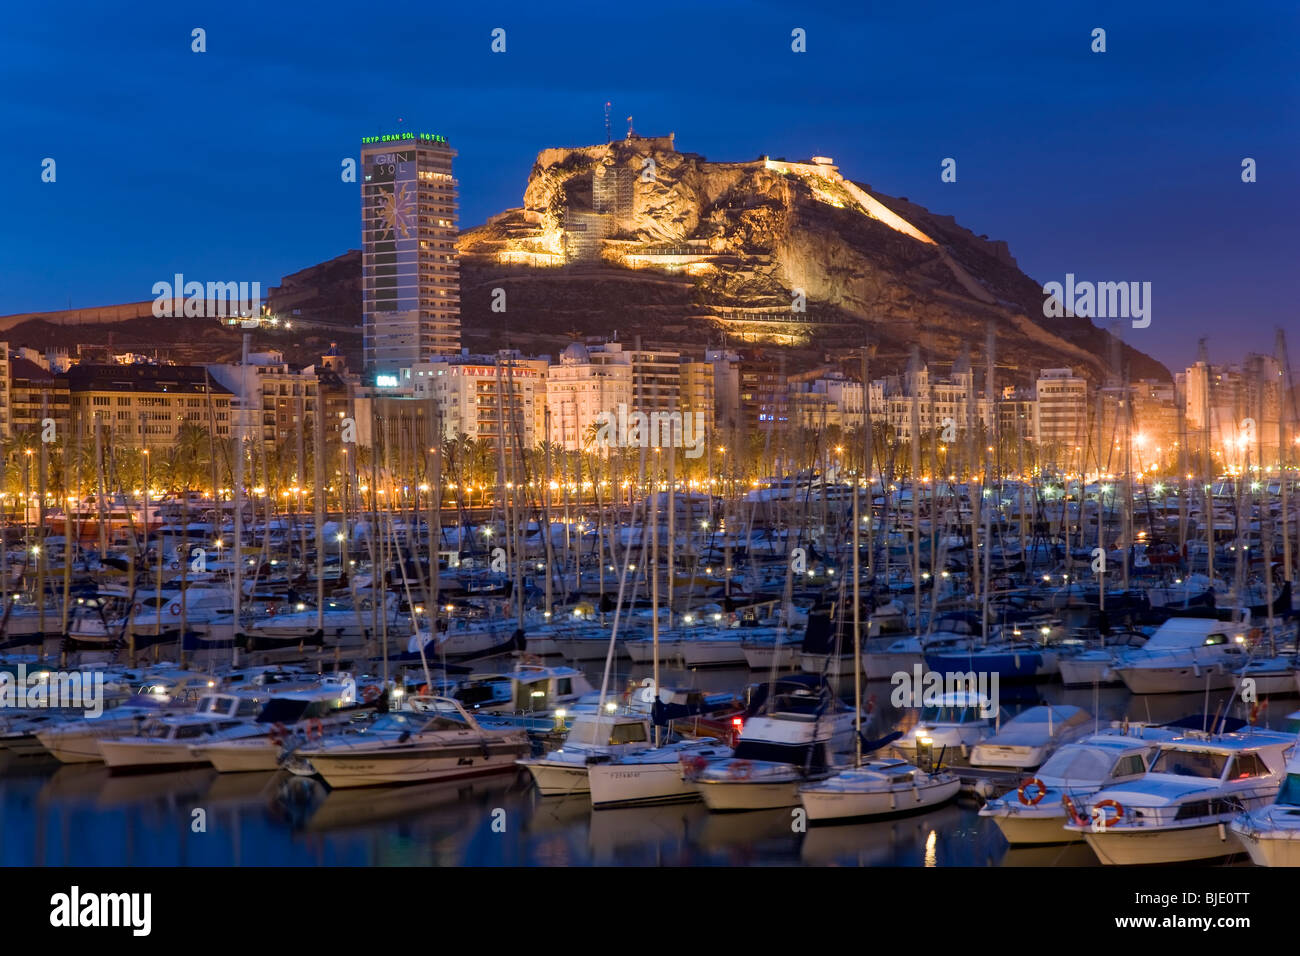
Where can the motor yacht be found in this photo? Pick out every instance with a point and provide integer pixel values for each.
(1034, 814)
(440, 742)
(526, 697)
(956, 722)
(1185, 655)
(77, 740)
(788, 739)
(287, 718)
(1030, 737)
(1179, 810)
(165, 742)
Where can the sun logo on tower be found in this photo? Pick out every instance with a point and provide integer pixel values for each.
(396, 212)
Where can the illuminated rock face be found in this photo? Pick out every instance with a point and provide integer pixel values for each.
(743, 239)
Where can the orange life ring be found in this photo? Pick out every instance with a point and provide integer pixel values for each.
(371, 693)
(315, 729)
(1032, 782)
(740, 769)
(424, 690)
(1075, 817)
(1109, 820)
(175, 610)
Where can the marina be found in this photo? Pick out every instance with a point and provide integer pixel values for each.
(735, 654)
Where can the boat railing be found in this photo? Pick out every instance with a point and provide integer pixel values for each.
(1216, 810)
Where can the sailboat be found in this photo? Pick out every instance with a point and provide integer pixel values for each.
(880, 787)
(660, 774)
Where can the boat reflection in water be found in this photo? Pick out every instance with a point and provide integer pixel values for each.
(307, 804)
(900, 841)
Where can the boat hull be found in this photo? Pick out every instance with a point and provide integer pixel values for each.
(625, 785)
(1135, 846)
(134, 755)
(81, 745)
(1035, 829)
(1270, 847)
(827, 806)
(259, 755)
(725, 796)
(1184, 679)
(401, 764)
(713, 654)
(554, 778)
(1084, 673)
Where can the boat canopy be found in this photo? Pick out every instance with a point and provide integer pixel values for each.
(1181, 633)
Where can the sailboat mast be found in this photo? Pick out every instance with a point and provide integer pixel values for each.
(1284, 446)
(237, 495)
(857, 600)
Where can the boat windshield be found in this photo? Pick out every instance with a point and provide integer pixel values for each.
(393, 724)
(606, 733)
(1079, 763)
(950, 715)
(1190, 763)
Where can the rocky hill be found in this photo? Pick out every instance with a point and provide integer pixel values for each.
(636, 236)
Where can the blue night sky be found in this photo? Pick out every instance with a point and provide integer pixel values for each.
(225, 165)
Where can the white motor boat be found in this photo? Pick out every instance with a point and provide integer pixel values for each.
(1034, 814)
(165, 742)
(593, 738)
(18, 730)
(1185, 655)
(1270, 675)
(77, 740)
(1271, 834)
(1030, 737)
(772, 649)
(878, 788)
(715, 647)
(340, 621)
(287, 718)
(526, 697)
(1179, 810)
(787, 741)
(1083, 666)
(956, 722)
(440, 741)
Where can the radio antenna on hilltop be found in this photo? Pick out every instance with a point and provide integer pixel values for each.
(608, 135)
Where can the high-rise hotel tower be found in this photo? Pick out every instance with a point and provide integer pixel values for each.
(410, 275)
